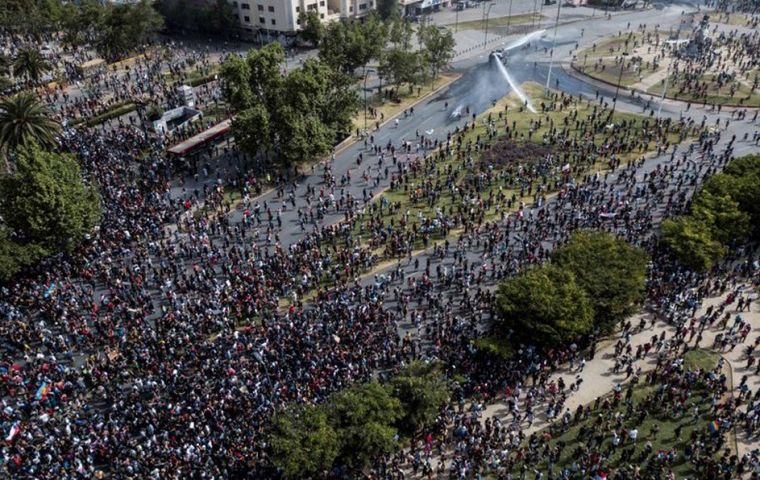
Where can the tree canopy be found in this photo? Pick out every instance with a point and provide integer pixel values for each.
(726, 210)
(312, 28)
(544, 305)
(692, 243)
(45, 202)
(438, 47)
(347, 46)
(297, 116)
(744, 177)
(303, 442)
(422, 390)
(216, 17)
(364, 417)
(388, 9)
(30, 64)
(609, 269)
(24, 119)
(127, 27)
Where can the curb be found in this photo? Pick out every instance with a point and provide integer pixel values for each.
(351, 139)
(592, 79)
(730, 378)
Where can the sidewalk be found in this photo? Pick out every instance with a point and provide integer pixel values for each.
(599, 379)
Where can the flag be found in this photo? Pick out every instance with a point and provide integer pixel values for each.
(15, 428)
(714, 426)
(49, 290)
(42, 392)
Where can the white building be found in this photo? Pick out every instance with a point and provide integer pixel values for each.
(272, 18)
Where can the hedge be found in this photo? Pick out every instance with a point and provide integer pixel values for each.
(115, 112)
(202, 80)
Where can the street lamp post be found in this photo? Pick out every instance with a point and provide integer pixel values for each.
(620, 78)
(485, 39)
(260, 358)
(509, 16)
(665, 87)
(620, 75)
(554, 44)
(366, 73)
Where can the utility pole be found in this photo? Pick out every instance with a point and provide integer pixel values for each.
(509, 16)
(665, 87)
(366, 73)
(485, 39)
(620, 78)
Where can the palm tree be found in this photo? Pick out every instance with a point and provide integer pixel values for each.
(23, 119)
(5, 65)
(5, 70)
(30, 63)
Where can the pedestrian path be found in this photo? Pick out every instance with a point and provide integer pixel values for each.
(598, 378)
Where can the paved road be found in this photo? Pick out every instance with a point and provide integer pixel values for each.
(479, 85)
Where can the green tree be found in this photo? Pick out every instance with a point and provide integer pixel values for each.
(364, 416)
(31, 17)
(744, 173)
(214, 17)
(400, 32)
(315, 89)
(375, 33)
(45, 201)
(15, 256)
(544, 305)
(609, 269)
(422, 390)
(722, 214)
(266, 78)
(303, 442)
(236, 87)
(83, 23)
(388, 9)
(23, 119)
(302, 137)
(348, 46)
(127, 27)
(301, 114)
(312, 28)
(5, 70)
(691, 242)
(400, 65)
(30, 64)
(438, 47)
(252, 130)
(5, 65)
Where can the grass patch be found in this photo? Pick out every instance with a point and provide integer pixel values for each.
(641, 71)
(601, 61)
(195, 76)
(114, 112)
(739, 19)
(386, 108)
(494, 346)
(451, 192)
(494, 186)
(496, 22)
(737, 92)
(659, 407)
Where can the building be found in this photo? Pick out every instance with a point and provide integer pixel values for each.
(422, 7)
(268, 20)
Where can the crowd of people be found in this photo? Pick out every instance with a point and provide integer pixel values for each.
(161, 347)
(158, 349)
